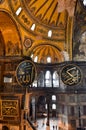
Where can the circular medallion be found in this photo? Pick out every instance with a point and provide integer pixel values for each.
(27, 43)
(71, 75)
(25, 73)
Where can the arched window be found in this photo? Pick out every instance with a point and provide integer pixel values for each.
(41, 79)
(84, 2)
(45, 106)
(54, 97)
(55, 79)
(36, 59)
(33, 27)
(31, 56)
(53, 106)
(18, 11)
(50, 33)
(48, 82)
(34, 83)
(48, 59)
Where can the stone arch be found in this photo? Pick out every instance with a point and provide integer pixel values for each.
(5, 128)
(8, 27)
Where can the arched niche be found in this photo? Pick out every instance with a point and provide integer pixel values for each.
(5, 128)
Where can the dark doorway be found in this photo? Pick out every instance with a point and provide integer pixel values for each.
(5, 128)
(53, 113)
(41, 106)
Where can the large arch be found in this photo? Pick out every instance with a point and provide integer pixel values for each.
(8, 28)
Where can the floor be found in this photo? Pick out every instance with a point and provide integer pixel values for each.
(41, 124)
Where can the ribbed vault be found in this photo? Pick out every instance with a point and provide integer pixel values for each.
(42, 52)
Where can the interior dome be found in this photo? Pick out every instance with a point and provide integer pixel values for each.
(46, 54)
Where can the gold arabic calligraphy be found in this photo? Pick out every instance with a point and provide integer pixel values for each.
(10, 108)
(25, 73)
(72, 76)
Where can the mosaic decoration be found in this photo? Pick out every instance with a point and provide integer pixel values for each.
(43, 14)
(27, 43)
(13, 48)
(66, 5)
(9, 108)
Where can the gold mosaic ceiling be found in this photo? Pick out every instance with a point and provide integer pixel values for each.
(45, 26)
(45, 13)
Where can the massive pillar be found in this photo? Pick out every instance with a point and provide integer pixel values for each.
(48, 110)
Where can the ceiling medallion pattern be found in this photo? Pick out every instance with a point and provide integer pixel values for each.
(43, 14)
(27, 43)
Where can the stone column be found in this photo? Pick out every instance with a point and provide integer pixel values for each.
(27, 104)
(48, 110)
(33, 109)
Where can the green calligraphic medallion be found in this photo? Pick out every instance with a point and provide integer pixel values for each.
(71, 75)
(25, 73)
